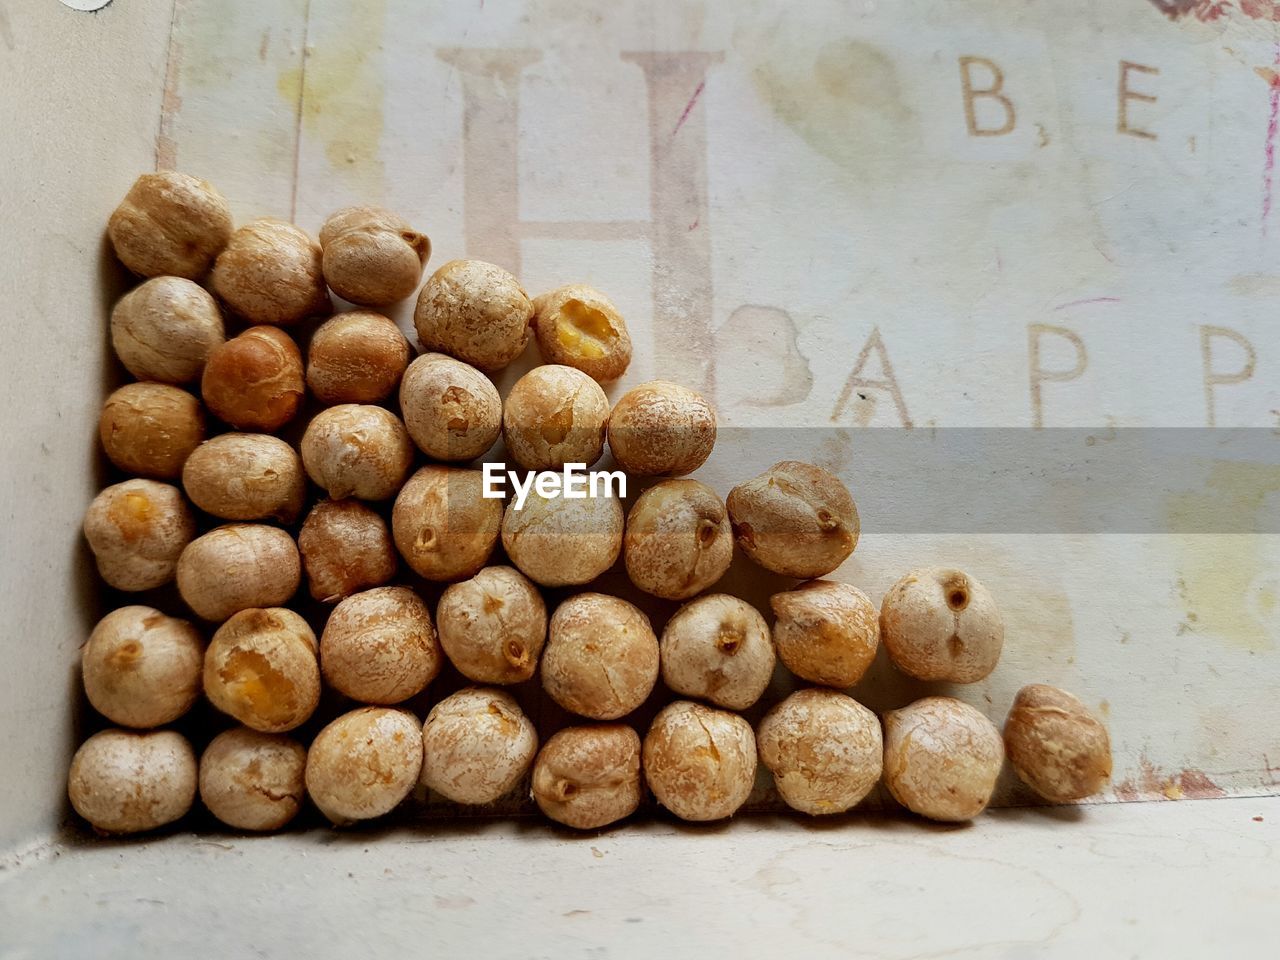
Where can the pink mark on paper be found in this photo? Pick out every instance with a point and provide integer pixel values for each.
(1269, 151)
(1087, 300)
(688, 108)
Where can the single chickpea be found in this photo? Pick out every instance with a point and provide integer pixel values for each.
(941, 758)
(555, 415)
(493, 626)
(824, 749)
(1057, 747)
(238, 566)
(356, 357)
(379, 646)
(170, 223)
(251, 780)
(364, 764)
(579, 327)
(451, 409)
(699, 762)
(246, 476)
(474, 311)
(166, 330)
(141, 668)
(357, 450)
(254, 381)
(443, 525)
(678, 540)
(718, 648)
(826, 632)
(261, 669)
(137, 530)
(601, 658)
(371, 256)
(794, 519)
(128, 781)
(588, 777)
(150, 429)
(477, 745)
(661, 428)
(939, 623)
(345, 548)
(270, 272)
(560, 542)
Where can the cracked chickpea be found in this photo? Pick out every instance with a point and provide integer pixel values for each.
(254, 381)
(443, 525)
(129, 781)
(1056, 745)
(477, 745)
(452, 411)
(166, 330)
(357, 450)
(137, 531)
(699, 762)
(601, 657)
(555, 415)
(493, 626)
(170, 223)
(238, 566)
(939, 623)
(261, 669)
(678, 540)
(556, 541)
(588, 777)
(826, 632)
(246, 476)
(251, 780)
(364, 763)
(150, 429)
(141, 668)
(379, 646)
(371, 256)
(345, 548)
(356, 357)
(718, 648)
(661, 428)
(474, 311)
(270, 273)
(578, 326)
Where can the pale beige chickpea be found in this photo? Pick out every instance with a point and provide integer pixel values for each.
(364, 763)
(826, 632)
(356, 357)
(150, 429)
(345, 547)
(588, 777)
(1056, 745)
(699, 762)
(251, 780)
(246, 476)
(678, 540)
(718, 648)
(270, 272)
(372, 256)
(170, 223)
(939, 623)
(824, 749)
(261, 668)
(357, 450)
(794, 519)
(451, 409)
(141, 668)
(166, 329)
(601, 657)
(238, 566)
(254, 381)
(941, 758)
(555, 415)
(474, 311)
(493, 626)
(477, 745)
(137, 530)
(129, 781)
(443, 525)
(379, 646)
(556, 541)
(661, 429)
(578, 326)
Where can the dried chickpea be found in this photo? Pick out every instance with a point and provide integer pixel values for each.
(579, 327)
(661, 428)
(137, 530)
(246, 476)
(357, 450)
(254, 381)
(150, 429)
(451, 409)
(251, 780)
(170, 223)
(939, 623)
(601, 658)
(493, 626)
(474, 311)
(794, 519)
(238, 566)
(555, 415)
(560, 542)
(826, 632)
(166, 329)
(141, 668)
(718, 648)
(443, 525)
(699, 762)
(270, 272)
(678, 540)
(1057, 747)
(477, 744)
(941, 758)
(128, 781)
(261, 668)
(379, 646)
(371, 256)
(588, 777)
(356, 357)
(345, 548)
(364, 764)
(824, 749)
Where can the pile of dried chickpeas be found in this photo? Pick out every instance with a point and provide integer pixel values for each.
(377, 497)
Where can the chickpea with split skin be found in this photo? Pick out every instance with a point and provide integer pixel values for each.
(578, 326)
(138, 531)
(251, 780)
(261, 668)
